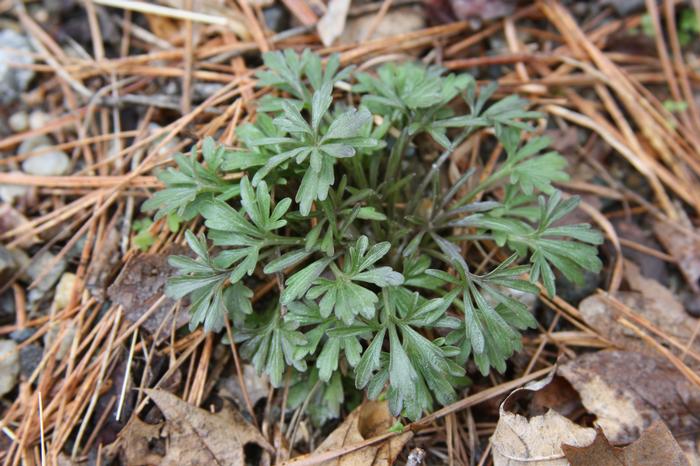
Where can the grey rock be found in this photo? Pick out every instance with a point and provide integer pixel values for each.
(14, 81)
(7, 306)
(29, 359)
(67, 334)
(22, 334)
(8, 265)
(276, 18)
(624, 7)
(37, 268)
(691, 303)
(201, 91)
(9, 366)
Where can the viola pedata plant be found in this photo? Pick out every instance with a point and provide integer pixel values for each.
(340, 195)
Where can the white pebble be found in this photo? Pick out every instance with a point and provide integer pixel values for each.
(52, 163)
(39, 119)
(19, 121)
(33, 143)
(64, 290)
(10, 192)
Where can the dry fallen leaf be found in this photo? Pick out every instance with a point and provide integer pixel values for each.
(398, 21)
(650, 300)
(536, 441)
(656, 446)
(628, 391)
(258, 386)
(196, 436)
(368, 420)
(685, 248)
(134, 443)
(141, 284)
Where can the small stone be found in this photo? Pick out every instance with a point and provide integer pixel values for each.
(68, 336)
(169, 147)
(22, 260)
(9, 366)
(48, 280)
(33, 143)
(202, 91)
(276, 18)
(10, 192)
(52, 163)
(64, 289)
(18, 121)
(15, 50)
(7, 305)
(691, 303)
(39, 119)
(8, 266)
(29, 359)
(23, 334)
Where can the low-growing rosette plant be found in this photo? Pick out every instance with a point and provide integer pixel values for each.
(337, 195)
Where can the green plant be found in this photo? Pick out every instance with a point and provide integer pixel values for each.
(364, 235)
(143, 239)
(688, 26)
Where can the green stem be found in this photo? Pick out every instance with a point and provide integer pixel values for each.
(283, 241)
(392, 169)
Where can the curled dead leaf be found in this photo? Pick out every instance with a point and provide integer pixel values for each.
(368, 420)
(196, 436)
(628, 391)
(654, 447)
(537, 441)
(134, 445)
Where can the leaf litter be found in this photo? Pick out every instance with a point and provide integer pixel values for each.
(637, 400)
(191, 435)
(366, 421)
(656, 446)
(651, 301)
(63, 203)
